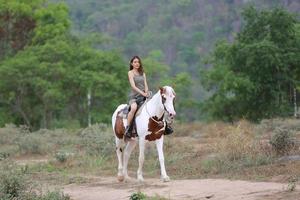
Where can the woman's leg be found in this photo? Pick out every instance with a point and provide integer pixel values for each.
(133, 108)
(130, 116)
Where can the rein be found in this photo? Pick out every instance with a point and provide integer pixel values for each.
(156, 121)
(149, 113)
(163, 128)
(165, 109)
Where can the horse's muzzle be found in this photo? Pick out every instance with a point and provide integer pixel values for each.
(172, 115)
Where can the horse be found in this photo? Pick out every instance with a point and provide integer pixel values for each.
(150, 126)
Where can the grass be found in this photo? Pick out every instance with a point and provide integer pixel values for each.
(195, 150)
(141, 196)
(15, 184)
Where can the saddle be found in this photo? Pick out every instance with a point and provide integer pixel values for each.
(141, 103)
(126, 110)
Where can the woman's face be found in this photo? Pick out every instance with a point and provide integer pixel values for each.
(136, 63)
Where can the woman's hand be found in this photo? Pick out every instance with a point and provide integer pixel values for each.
(145, 94)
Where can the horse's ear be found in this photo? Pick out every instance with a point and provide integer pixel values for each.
(161, 90)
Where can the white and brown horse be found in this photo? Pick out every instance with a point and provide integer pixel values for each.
(150, 127)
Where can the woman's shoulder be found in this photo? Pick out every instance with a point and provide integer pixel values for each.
(130, 72)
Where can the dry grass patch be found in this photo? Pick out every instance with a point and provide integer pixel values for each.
(194, 150)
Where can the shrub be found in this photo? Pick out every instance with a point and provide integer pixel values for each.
(138, 196)
(4, 155)
(97, 141)
(61, 156)
(236, 145)
(12, 182)
(282, 141)
(14, 185)
(31, 144)
(238, 149)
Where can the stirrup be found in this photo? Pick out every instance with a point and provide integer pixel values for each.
(127, 131)
(127, 134)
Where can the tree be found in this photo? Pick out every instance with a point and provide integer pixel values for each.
(48, 79)
(253, 76)
(16, 25)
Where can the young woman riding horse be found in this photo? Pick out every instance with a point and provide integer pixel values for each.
(139, 90)
(139, 93)
(150, 126)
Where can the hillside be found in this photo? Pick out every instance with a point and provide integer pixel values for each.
(182, 31)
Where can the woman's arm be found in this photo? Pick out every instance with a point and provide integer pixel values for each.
(132, 84)
(145, 83)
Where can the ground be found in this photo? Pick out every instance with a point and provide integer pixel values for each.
(109, 188)
(204, 161)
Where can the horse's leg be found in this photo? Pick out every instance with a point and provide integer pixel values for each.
(141, 159)
(159, 147)
(127, 152)
(119, 151)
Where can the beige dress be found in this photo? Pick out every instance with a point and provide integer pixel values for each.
(134, 96)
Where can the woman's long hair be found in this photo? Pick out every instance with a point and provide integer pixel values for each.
(141, 69)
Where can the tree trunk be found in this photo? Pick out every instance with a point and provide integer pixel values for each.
(19, 109)
(89, 106)
(295, 103)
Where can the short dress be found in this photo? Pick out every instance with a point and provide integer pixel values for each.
(134, 96)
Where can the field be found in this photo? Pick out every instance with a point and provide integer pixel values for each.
(257, 161)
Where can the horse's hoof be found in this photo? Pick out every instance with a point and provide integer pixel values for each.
(166, 179)
(120, 178)
(127, 178)
(140, 179)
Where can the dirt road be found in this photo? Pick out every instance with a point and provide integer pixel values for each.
(216, 189)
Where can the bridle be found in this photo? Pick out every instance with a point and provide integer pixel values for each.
(163, 100)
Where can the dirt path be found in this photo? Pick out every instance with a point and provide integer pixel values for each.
(216, 189)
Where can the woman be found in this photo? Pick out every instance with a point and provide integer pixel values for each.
(139, 90)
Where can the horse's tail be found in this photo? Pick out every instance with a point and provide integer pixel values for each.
(114, 116)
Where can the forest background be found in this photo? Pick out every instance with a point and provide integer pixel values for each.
(226, 59)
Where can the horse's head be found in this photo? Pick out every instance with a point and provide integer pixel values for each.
(168, 96)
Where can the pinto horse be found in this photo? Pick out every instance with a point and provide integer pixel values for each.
(150, 126)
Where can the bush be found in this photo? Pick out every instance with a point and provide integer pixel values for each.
(4, 155)
(138, 196)
(236, 150)
(31, 144)
(12, 182)
(97, 141)
(236, 146)
(61, 156)
(14, 185)
(282, 141)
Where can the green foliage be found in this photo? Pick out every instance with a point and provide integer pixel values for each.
(138, 196)
(52, 21)
(292, 183)
(183, 30)
(155, 69)
(252, 77)
(16, 25)
(12, 182)
(184, 103)
(15, 185)
(46, 71)
(48, 79)
(61, 156)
